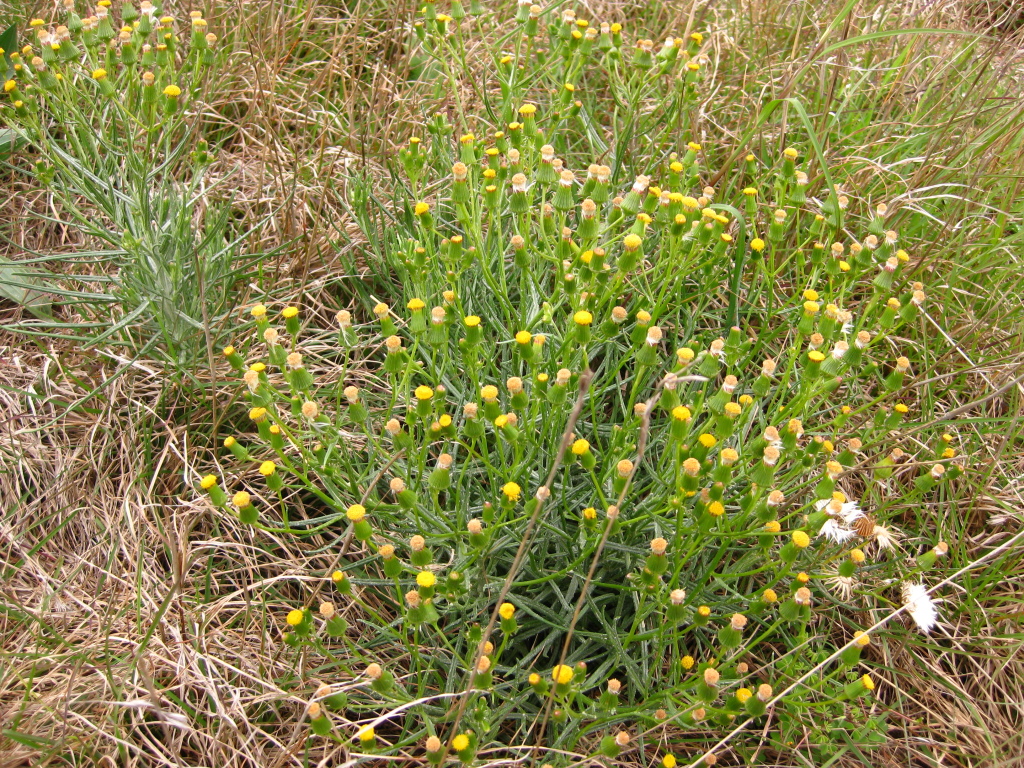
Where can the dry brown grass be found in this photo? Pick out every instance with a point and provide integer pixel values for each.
(136, 625)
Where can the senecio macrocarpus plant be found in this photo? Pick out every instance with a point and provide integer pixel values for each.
(705, 483)
(608, 90)
(106, 111)
(144, 67)
(577, 503)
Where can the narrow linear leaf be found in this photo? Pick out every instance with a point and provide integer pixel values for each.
(25, 286)
(8, 42)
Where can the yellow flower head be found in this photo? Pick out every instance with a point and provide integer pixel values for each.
(208, 482)
(241, 500)
(295, 618)
(423, 392)
(460, 742)
(366, 734)
(687, 662)
(267, 468)
(426, 579)
(471, 321)
(801, 539)
(506, 611)
(99, 74)
(770, 596)
(356, 513)
(867, 682)
(632, 242)
(562, 674)
(524, 337)
(580, 447)
(172, 91)
(528, 109)
(512, 491)
(681, 413)
(583, 318)
(289, 312)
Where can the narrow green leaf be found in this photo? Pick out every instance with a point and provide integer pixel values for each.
(9, 42)
(872, 36)
(10, 141)
(26, 740)
(25, 286)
